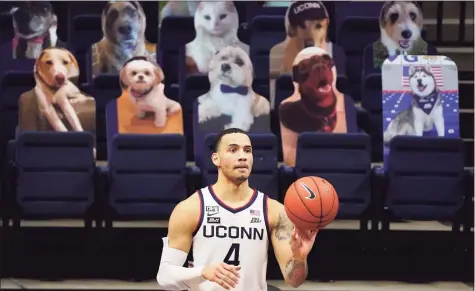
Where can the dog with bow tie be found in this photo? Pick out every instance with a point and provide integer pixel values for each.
(231, 75)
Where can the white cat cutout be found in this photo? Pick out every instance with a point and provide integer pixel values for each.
(216, 26)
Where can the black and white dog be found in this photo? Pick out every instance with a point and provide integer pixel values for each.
(426, 110)
(35, 24)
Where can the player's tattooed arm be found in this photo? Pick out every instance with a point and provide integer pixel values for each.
(296, 271)
(283, 227)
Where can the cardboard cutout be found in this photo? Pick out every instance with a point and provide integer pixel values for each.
(123, 27)
(35, 26)
(231, 101)
(316, 104)
(56, 104)
(306, 24)
(420, 97)
(216, 26)
(401, 24)
(143, 107)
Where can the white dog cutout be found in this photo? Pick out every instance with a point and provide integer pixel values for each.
(143, 80)
(231, 75)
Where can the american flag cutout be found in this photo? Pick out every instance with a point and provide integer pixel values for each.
(255, 212)
(436, 71)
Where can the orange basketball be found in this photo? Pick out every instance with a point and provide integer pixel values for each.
(311, 203)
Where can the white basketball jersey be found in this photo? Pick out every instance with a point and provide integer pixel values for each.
(236, 236)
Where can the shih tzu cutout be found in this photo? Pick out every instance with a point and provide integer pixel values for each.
(216, 26)
(143, 80)
(231, 94)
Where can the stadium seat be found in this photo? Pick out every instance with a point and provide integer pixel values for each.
(265, 173)
(85, 30)
(342, 159)
(371, 97)
(104, 89)
(175, 32)
(354, 34)
(147, 175)
(424, 178)
(193, 87)
(55, 175)
(12, 85)
(6, 33)
(266, 32)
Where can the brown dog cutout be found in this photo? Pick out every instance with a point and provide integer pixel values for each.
(316, 105)
(123, 27)
(306, 24)
(56, 104)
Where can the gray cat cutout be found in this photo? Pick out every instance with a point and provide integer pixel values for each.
(216, 26)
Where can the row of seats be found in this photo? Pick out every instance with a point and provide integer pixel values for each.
(106, 88)
(55, 175)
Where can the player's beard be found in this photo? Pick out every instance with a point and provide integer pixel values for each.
(237, 179)
(242, 178)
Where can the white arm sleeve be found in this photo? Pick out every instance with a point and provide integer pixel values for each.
(171, 273)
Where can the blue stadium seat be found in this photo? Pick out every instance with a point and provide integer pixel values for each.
(372, 101)
(12, 85)
(84, 31)
(175, 32)
(6, 33)
(104, 89)
(266, 32)
(425, 178)
(55, 174)
(342, 159)
(148, 175)
(265, 173)
(354, 34)
(193, 87)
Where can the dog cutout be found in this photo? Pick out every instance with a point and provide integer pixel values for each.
(401, 24)
(231, 101)
(123, 27)
(316, 105)
(56, 103)
(34, 25)
(216, 26)
(420, 98)
(143, 106)
(306, 24)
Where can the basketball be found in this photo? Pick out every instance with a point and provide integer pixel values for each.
(311, 203)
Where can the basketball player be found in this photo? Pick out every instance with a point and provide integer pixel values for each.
(229, 226)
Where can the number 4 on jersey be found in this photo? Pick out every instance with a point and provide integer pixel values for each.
(232, 258)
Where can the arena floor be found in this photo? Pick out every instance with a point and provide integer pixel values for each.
(13, 284)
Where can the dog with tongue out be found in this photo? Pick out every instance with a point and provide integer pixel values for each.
(401, 23)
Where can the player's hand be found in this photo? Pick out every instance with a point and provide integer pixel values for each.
(301, 242)
(226, 276)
